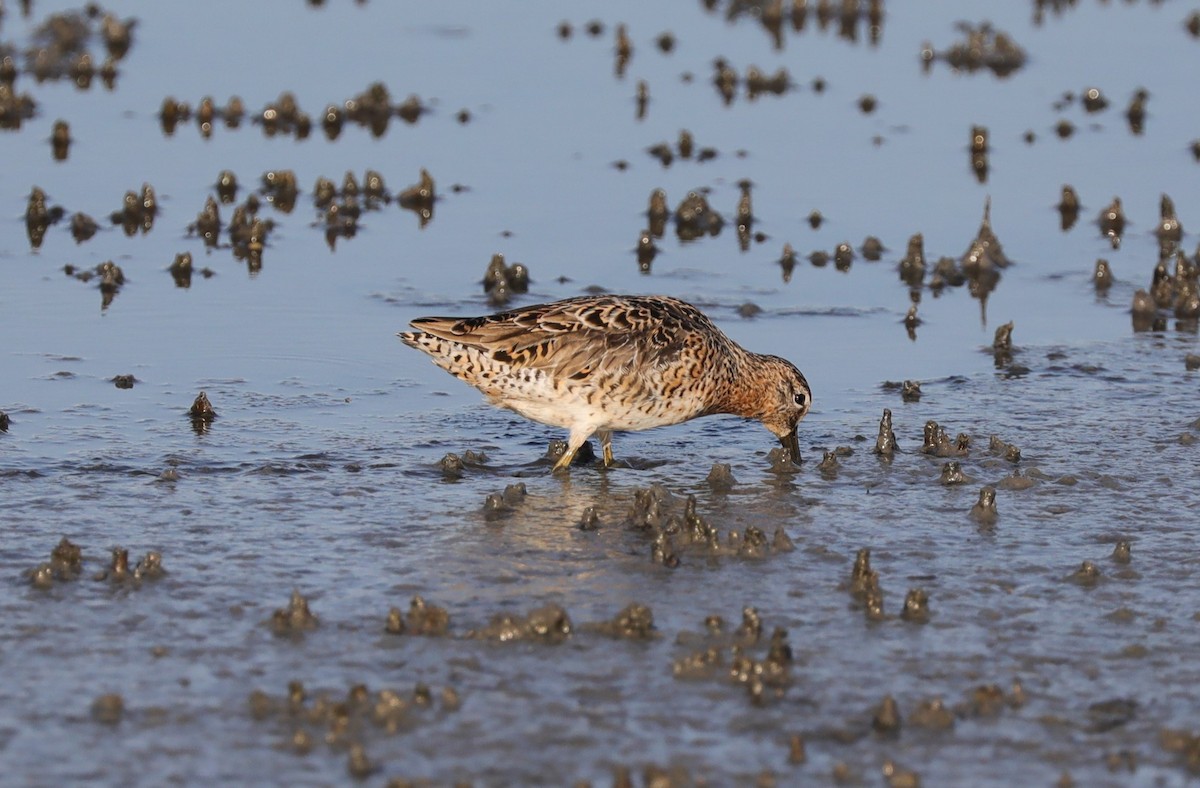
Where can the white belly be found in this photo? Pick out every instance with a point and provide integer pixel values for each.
(571, 405)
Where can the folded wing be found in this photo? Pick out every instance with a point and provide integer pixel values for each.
(581, 336)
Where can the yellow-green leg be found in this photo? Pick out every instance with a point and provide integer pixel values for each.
(606, 441)
(576, 439)
(564, 462)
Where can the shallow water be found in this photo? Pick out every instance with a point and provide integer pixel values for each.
(320, 472)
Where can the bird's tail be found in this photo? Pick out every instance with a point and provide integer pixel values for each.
(413, 339)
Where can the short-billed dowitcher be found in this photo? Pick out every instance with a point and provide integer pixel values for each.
(595, 364)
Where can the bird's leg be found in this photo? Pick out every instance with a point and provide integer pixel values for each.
(605, 437)
(577, 438)
(564, 462)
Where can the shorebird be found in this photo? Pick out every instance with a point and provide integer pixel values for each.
(596, 364)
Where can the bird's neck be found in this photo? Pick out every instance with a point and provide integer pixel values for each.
(740, 392)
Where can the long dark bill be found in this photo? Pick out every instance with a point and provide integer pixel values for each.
(792, 444)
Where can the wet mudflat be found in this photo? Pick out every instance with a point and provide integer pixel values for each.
(301, 586)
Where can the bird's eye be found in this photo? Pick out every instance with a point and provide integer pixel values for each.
(800, 398)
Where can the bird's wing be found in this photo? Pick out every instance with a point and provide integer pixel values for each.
(580, 336)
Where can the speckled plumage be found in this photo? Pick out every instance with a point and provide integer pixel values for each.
(595, 364)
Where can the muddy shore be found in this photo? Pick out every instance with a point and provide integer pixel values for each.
(340, 565)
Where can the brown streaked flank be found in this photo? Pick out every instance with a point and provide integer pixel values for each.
(597, 364)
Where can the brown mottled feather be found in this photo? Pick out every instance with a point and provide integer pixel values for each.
(595, 364)
(585, 334)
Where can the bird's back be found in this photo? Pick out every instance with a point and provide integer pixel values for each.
(631, 362)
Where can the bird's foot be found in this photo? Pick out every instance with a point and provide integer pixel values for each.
(564, 462)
